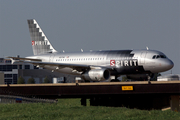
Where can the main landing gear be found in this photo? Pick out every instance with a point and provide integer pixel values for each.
(114, 79)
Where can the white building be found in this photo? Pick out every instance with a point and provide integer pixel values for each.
(168, 77)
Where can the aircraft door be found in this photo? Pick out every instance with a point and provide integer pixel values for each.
(142, 58)
(51, 58)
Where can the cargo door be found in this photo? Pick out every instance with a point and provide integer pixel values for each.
(51, 58)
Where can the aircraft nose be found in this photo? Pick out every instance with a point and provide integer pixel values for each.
(167, 65)
(170, 64)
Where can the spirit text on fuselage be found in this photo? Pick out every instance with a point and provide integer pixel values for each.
(130, 62)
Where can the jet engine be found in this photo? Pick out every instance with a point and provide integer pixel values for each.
(96, 75)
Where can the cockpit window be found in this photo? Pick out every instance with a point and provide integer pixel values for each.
(154, 57)
(162, 56)
(158, 56)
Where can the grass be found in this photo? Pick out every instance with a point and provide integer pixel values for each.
(71, 109)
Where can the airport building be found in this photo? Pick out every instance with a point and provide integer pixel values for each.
(169, 77)
(9, 73)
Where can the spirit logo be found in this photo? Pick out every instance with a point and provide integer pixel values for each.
(39, 43)
(32, 43)
(131, 62)
(112, 62)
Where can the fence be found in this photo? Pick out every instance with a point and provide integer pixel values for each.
(19, 99)
(11, 97)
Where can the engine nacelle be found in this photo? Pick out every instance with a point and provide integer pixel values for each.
(96, 75)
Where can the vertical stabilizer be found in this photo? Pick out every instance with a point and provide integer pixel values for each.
(40, 43)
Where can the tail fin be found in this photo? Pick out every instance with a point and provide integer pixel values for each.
(40, 43)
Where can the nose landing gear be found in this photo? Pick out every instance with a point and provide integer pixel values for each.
(152, 77)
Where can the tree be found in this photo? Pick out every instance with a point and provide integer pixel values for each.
(31, 81)
(46, 80)
(20, 80)
(124, 78)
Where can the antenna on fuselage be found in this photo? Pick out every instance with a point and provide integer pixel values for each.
(147, 48)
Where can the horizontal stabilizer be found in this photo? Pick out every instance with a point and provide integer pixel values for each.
(18, 58)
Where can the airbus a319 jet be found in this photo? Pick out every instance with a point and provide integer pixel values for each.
(95, 65)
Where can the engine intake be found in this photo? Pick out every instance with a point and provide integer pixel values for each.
(96, 75)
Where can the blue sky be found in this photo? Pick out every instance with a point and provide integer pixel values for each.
(93, 25)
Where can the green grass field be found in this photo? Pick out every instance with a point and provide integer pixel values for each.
(71, 109)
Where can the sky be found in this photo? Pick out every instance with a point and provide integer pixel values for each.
(72, 25)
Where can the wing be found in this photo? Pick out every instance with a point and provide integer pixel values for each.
(39, 63)
(77, 67)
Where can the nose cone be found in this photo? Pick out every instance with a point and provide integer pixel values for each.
(170, 64)
(167, 65)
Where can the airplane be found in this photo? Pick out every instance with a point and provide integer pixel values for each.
(103, 65)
